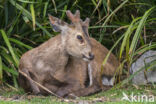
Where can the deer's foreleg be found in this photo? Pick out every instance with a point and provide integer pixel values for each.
(26, 75)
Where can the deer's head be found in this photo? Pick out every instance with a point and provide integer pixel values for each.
(75, 37)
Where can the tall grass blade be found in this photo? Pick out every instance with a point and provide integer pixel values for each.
(3, 48)
(63, 13)
(33, 15)
(10, 70)
(1, 71)
(27, 14)
(45, 8)
(107, 19)
(6, 13)
(99, 2)
(9, 47)
(145, 48)
(138, 31)
(20, 43)
(26, 1)
(127, 36)
(53, 1)
(107, 56)
(7, 58)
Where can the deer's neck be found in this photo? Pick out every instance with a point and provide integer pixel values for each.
(54, 53)
(60, 56)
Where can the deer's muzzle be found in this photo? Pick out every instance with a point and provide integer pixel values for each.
(89, 57)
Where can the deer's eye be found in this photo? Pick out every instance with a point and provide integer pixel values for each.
(79, 37)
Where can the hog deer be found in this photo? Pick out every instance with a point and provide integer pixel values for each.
(65, 63)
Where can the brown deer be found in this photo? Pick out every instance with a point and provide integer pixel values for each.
(67, 62)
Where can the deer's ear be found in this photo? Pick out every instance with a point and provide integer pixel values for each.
(57, 24)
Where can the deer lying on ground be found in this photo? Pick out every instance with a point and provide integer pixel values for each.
(67, 62)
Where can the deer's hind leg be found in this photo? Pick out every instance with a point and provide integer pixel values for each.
(26, 82)
(94, 88)
(86, 91)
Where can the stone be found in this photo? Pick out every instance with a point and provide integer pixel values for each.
(144, 76)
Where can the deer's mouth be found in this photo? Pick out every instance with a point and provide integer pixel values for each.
(89, 58)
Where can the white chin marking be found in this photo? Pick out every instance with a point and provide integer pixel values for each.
(85, 59)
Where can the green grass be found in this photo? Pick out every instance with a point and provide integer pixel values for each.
(47, 100)
(110, 96)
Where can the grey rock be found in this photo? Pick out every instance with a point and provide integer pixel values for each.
(144, 76)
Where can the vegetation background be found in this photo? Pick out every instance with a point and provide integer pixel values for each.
(126, 27)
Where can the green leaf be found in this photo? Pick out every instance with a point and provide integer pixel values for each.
(9, 47)
(20, 43)
(108, 18)
(28, 15)
(145, 48)
(33, 15)
(25, 1)
(1, 71)
(127, 36)
(10, 70)
(138, 31)
(45, 8)
(107, 56)
(7, 58)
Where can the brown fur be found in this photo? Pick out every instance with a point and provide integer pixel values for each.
(58, 63)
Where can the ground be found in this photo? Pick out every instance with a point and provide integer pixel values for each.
(10, 95)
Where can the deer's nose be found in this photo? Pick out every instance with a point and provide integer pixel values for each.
(91, 56)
